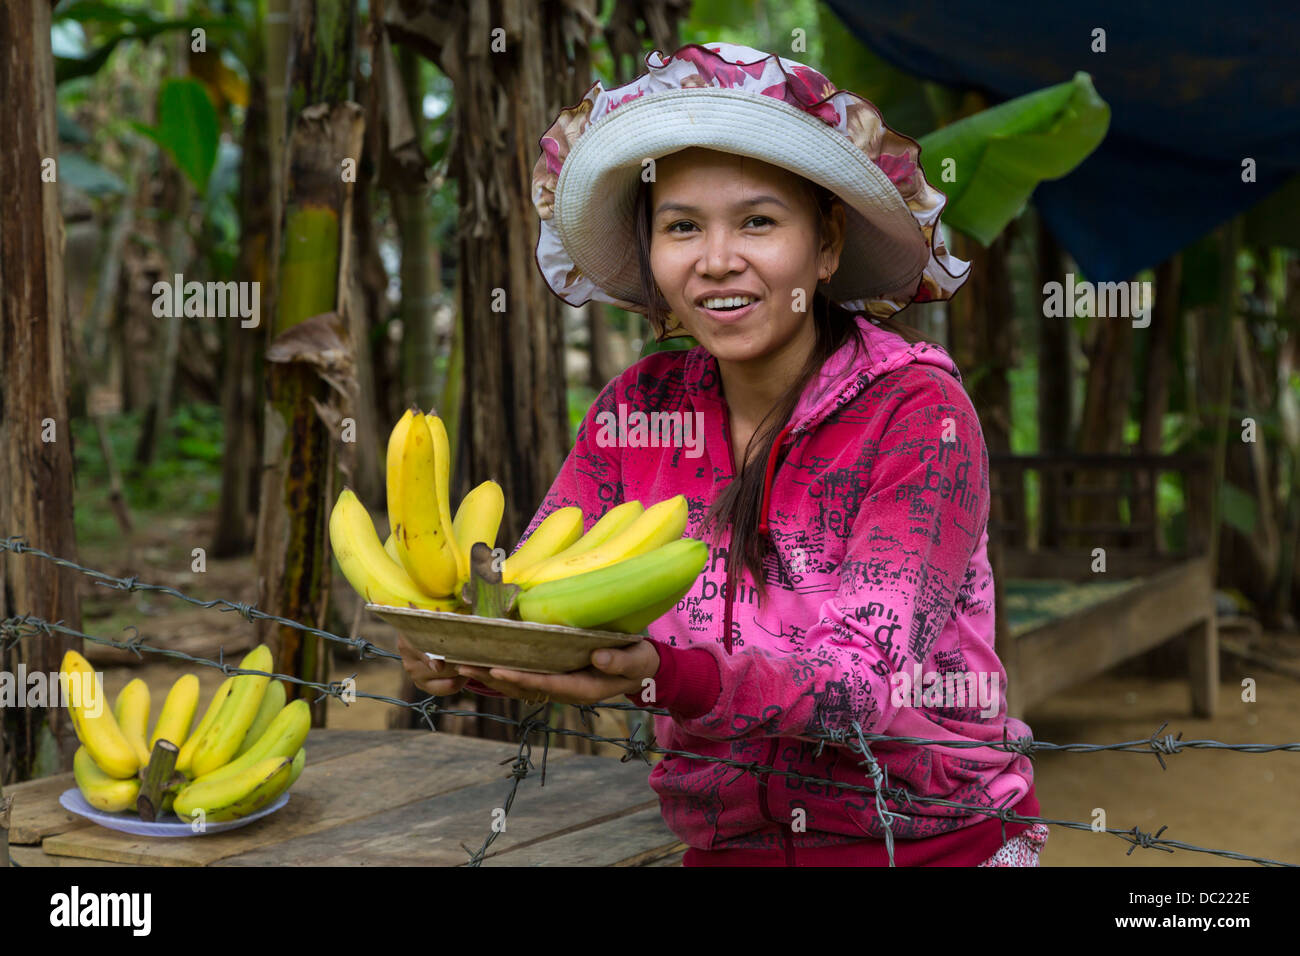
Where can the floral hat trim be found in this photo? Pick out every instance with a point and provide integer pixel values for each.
(733, 66)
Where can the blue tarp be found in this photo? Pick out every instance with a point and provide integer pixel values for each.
(1194, 89)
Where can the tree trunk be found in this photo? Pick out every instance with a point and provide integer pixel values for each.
(1157, 369)
(419, 282)
(601, 366)
(1055, 384)
(311, 379)
(1101, 429)
(36, 454)
(240, 392)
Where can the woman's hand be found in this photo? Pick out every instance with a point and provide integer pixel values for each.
(432, 676)
(614, 671)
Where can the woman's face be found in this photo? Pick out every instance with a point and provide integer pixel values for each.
(722, 223)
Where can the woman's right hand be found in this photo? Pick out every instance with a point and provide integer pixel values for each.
(432, 676)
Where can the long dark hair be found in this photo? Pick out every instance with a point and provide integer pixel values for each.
(740, 502)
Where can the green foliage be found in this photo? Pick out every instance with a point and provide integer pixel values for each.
(88, 176)
(118, 23)
(580, 398)
(185, 476)
(188, 129)
(1000, 155)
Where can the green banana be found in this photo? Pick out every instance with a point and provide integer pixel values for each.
(283, 738)
(186, 757)
(654, 527)
(616, 591)
(638, 621)
(272, 704)
(232, 797)
(299, 761)
(237, 714)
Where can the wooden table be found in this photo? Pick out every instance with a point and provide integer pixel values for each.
(390, 798)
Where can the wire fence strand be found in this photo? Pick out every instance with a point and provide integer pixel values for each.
(855, 740)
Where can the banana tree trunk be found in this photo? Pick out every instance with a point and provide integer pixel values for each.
(36, 488)
(310, 372)
(419, 283)
(240, 391)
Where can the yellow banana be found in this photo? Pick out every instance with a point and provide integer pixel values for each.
(442, 474)
(93, 722)
(100, 790)
(390, 548)
(619, 594)
(232, 797)
(612, 522)
(131, 710)
(283, 738)
(177, 712)
(426, 548)
(185, 758)
(272, 703)
(370, 571)
(656, 526)
(477, 519)
(558, 530)
(396, 442)
(222, 739)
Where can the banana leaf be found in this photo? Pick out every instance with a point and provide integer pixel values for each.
(1001, 154)
(88, 176)
(131, 23)
(188, 129)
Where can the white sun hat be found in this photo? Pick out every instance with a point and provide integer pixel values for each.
(736, 99)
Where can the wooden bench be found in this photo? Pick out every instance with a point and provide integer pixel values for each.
(1059, 621)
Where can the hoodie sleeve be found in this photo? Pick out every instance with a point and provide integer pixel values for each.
(917, 525)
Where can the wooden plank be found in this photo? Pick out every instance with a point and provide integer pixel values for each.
(447, 829)
(1110, 462)
(328, 794)
(624, 841)
(34, 856)
(37, 813)
(673, 859)
(1076, 565)
(1203, 666)
(1064, 652)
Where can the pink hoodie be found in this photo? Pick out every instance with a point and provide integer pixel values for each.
(877, 504)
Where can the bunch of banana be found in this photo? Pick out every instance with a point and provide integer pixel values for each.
(624, 596)
(246, 750)
(425, 563)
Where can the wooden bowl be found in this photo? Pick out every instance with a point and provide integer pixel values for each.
(498, 641)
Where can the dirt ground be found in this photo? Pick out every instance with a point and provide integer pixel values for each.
(1245, 802)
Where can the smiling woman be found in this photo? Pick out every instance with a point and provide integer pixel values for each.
(844, 476)
(783, 234)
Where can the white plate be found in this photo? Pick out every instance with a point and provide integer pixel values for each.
(167, 825)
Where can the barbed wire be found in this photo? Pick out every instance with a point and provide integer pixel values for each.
(853, 739)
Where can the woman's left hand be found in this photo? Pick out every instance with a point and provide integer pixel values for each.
(614, 671)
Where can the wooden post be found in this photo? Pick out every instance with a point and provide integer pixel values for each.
(310, 367)
(36, 492)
